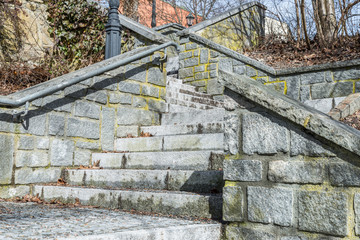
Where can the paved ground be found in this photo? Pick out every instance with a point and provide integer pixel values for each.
(36, 221)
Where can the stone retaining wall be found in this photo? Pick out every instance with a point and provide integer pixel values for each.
(62, 129)
(286, 181)
(200, 60)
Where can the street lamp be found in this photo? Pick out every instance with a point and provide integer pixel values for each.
(113, 31)
(190, 19)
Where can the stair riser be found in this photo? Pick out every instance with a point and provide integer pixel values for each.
(197, 160)
(156, 202)
(171, 91)
(184, 129)
(197, 231)
(193, 99)
(189, 105)
(216, 115)
(171, 143)
(189, 181)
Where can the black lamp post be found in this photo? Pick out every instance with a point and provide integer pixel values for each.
(113, 31)
(190, 19)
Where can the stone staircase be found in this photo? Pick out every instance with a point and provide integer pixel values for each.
(176, 171)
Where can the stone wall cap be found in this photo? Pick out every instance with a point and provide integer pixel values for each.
(266, 68)
(315, 121)
(219, 18)
(58, 80)
(169, 25)
(142, 30)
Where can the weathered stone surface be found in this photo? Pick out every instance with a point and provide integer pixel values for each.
(6, 158)
(344, 174)
(87, 109)
(75, 91)
(293, 87)
(42, 143)
(184, 55)
(156, 76)
(157, 106)
(57, 103)
(270, 205)
(123, 131)
(40, 175)
(129, 87)
(82, 157)
(251, 72)
(108, 128)
(136, 72)
(83, 128)
(139, 102)
(88, 144)
(232, 133)
(139, 144)
(346, 74)
(303, 144)
(304, 93)
(194, 142)
(202, 75)
(237, 232)
(243, 170)
(233, 204)
(186, 72)
(61, 152)
(263, 134)
(97, 96)
(296, 172)
(11, 192)
(129, 116)
(299, 114)
(150, 91)
(191, 46)
(225, 64)
(311, 78)
(26, 143)
(31, 159)
(357, 213)
(324, 212)
(35, 123)
(204, 56)
(56, 125)
(191, 62)
(115, 97)
(200, 68)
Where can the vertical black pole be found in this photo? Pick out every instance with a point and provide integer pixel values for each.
(113, 31)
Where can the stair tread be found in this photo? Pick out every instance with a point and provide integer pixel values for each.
(159, 201)
(73, 223)
(180, 129)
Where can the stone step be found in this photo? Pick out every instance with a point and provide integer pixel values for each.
(194, 231)
(213, 141)
(171, 90)
(189, 160)
(193, 117)
(172, 180)
(181, 86)
(173, 104)
(171, 80)
(199, 128)
(164, 202)
(195, 99)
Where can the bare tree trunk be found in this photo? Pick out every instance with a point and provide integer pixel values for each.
(298, 30)
(153, 14)
(303, 23)
(324, 13)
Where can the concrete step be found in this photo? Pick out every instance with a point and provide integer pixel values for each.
(199, 128)
(195, 99)
(173, 180)
(173, 104)
(189, 160)
(164, 202)
(193, 117)
(213, 141)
